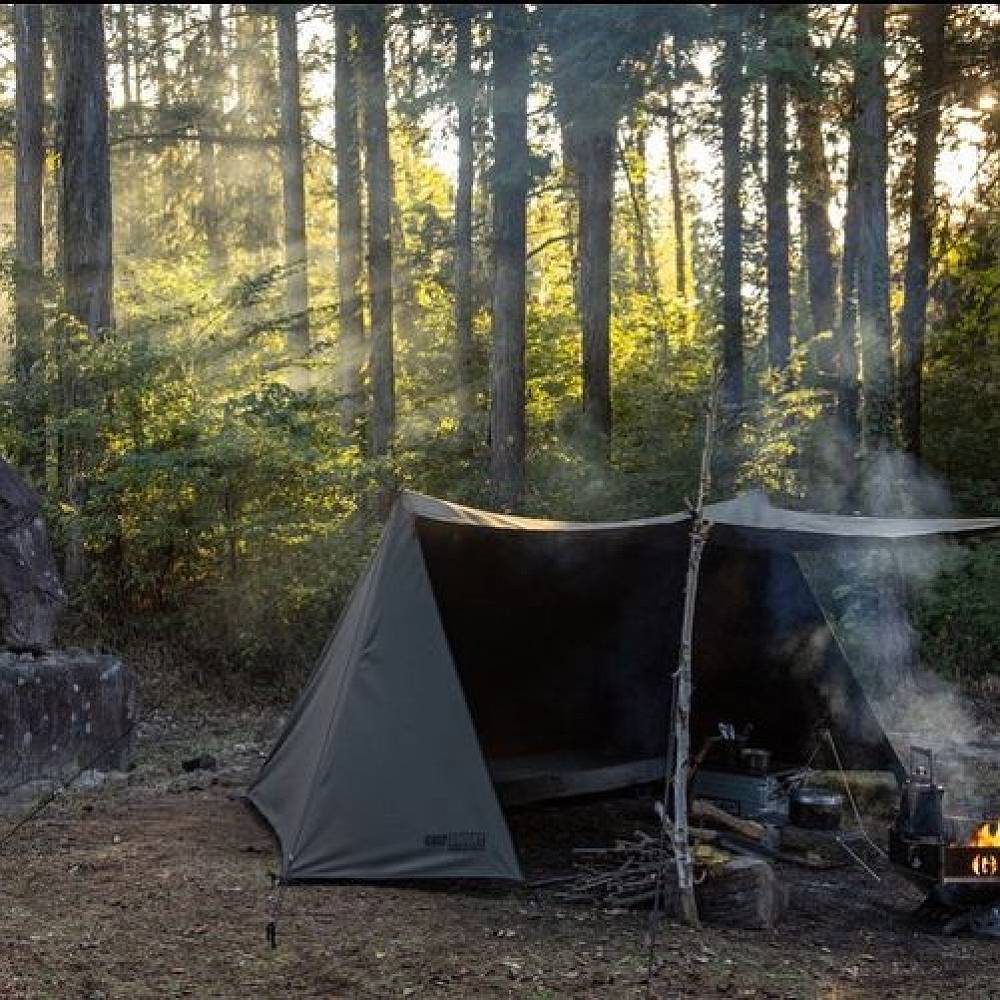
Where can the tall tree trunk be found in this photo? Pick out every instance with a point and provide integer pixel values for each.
(465, 99)
(378, 176)
(636, 165)
(210, 215)
(589, 130)
(127, 210)
(676, 201)
(349, 238)
(848, 394)
(161, 86)
(816, 192)
(85, 221)
(571, 207)
(597, 175)
(589, 108)
(403, 279)
(85, 166)
(815, 187)
(125, 42)
(931, 21)
(731, 86)
(30, 168)
(779, 297)
(873, 258)
(293, 183)
(510, 192)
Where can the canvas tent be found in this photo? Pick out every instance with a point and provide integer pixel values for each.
(484, 659)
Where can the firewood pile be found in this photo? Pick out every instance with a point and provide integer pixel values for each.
(629, 873)
(639, 871)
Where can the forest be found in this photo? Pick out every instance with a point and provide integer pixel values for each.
(266, 265)
(305, 309)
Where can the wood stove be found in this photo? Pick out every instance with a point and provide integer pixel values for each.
(955, 858)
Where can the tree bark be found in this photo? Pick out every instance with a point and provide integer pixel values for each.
(293, 183)
(30, 170)
(873, 258)
(779, 297)
(378, 176)
(588, 112)
(126, 207)
(745, 892)
(597, 174)
(465, 100)
(815, 189)
(210, 215)
(349, 238)
(571, 208)
(931, 21)
(85, 167)
(162, 88)
(731, 86)
(85, 227)
(848, 394)
(676, 202)
(510, 192)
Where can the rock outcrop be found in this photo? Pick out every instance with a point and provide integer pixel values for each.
(61, 712)
(31, 594)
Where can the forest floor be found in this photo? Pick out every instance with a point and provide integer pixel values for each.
(156, 884)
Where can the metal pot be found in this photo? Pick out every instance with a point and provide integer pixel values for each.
(815, 808)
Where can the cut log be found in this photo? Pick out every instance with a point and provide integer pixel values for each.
(708, 813)
(745, 892)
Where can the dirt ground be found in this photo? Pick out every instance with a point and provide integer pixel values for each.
(157, 885)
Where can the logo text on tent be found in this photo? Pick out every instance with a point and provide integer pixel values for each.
(457, 840)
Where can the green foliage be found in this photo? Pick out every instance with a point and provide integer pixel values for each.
(221, 507)
(962, 370)
(956, 613)
(225, 513)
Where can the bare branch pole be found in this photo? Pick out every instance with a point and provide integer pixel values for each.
(700, 527)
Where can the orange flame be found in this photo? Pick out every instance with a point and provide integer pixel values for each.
(987, 835)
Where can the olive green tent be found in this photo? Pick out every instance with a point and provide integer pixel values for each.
(485, 660)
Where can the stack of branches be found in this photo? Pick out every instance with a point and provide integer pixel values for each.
(632, 872)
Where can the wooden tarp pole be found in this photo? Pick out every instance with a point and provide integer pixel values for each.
(681, 736)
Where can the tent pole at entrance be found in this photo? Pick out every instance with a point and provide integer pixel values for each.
(681, 744)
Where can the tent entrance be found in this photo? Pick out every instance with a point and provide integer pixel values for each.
(482, 650)
(564, 642)
(561, 641)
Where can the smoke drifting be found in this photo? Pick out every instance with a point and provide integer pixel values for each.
(869, 596)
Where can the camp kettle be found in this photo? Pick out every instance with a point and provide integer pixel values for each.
(921, 808)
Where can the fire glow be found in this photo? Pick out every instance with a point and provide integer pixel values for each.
(987, 835)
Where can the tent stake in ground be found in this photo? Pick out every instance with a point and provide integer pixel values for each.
(700, 528)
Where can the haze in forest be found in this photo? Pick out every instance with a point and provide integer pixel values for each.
(269, 264)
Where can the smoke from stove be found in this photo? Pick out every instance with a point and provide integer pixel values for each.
(869, 595)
